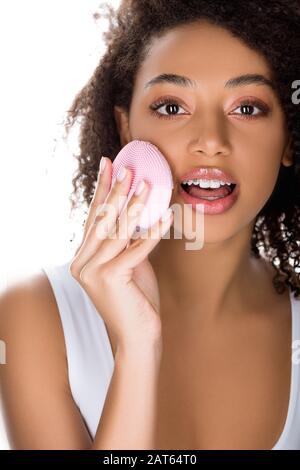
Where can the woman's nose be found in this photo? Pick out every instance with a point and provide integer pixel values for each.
(209, 135)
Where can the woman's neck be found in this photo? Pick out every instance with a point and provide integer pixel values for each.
(219, 279)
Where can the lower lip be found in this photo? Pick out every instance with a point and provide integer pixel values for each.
(218, 206)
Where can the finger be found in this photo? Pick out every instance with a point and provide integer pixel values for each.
(100, 194)
(104, 221)
(101, 190)
(119, 238)
(140, 248)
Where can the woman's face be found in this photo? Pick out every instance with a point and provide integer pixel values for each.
(208, 125)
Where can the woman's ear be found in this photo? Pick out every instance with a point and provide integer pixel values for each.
(287, 158)
(122, 122)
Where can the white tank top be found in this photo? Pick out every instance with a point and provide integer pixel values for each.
(91, 362)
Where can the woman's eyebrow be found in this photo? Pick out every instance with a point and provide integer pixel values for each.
(181, 80)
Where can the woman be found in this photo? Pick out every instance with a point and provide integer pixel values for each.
(148, 345)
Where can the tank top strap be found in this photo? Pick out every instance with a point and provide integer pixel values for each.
(290, 436)
(89, 354)
(294, 437)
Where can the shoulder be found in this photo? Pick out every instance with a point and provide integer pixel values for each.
(28, 310)
(40, 412)
(34, 356)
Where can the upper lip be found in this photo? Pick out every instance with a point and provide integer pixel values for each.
(206, 173)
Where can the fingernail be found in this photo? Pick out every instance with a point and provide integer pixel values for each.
(102, 164)
(167, 214)
(139, 188)
(121, 174)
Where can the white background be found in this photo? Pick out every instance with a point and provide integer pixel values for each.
(48, 52)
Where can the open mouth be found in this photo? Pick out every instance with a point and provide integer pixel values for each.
(209, 194)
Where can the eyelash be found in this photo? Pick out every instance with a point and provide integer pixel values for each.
(247, 102)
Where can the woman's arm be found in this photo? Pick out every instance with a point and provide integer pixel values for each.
(38, 407)
(129, 414)
(36, 401)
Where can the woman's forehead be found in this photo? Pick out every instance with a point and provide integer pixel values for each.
(200, 52)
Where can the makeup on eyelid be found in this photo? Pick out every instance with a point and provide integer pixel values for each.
(264, 110)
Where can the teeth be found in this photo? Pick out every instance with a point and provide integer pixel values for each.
(214, 184)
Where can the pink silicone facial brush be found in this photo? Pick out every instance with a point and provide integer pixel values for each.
(146, 162)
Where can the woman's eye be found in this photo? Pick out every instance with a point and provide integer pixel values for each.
(248, 109)
(171, 106)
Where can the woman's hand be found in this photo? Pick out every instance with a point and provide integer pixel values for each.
(115, 271)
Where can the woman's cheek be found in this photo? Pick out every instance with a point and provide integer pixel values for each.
(259, 191)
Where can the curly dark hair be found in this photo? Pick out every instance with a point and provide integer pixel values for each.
(271, 28)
